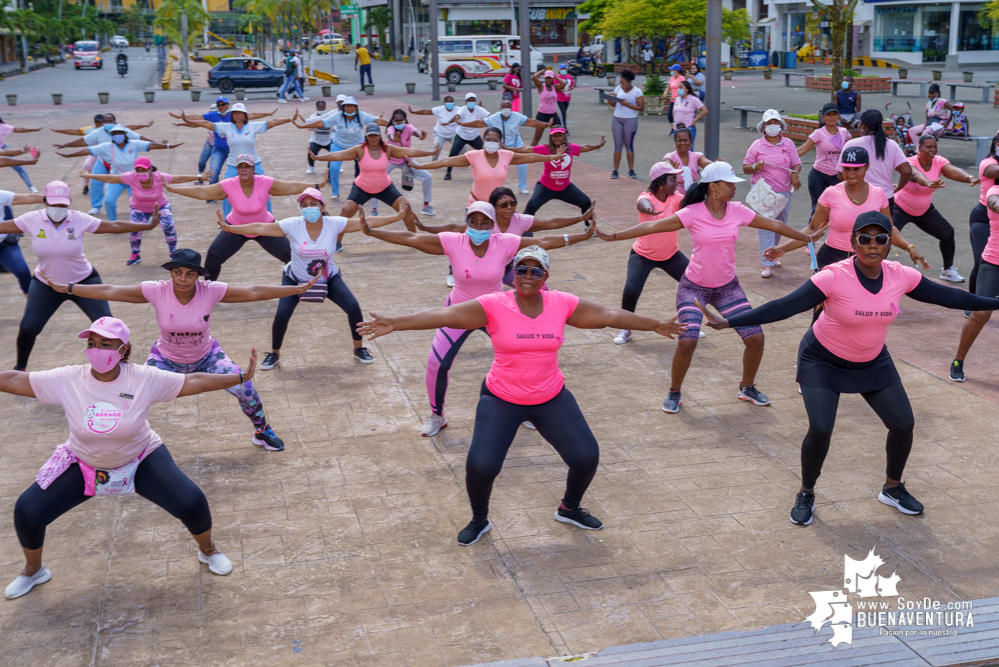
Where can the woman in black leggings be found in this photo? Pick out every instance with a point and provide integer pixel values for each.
(844, 352)
(555, 180)
(526, 327)
(111, 450)
(978, 221)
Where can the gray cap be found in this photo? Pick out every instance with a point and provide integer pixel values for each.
(372, 128)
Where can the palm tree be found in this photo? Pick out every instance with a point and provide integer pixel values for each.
(379, 17)
(170, 17)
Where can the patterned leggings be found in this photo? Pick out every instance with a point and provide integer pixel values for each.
(729, 299)
(216, 361)
(166, 224)
(447, 343)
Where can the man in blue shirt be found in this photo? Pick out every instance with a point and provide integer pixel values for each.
(509, 122)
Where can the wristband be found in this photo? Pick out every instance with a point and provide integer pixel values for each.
(566, 237)
(241, 379)
(70, 290)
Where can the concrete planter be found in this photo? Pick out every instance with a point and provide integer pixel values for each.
(866, 84)
(240, 93)
(150, 96)
(903, 73)
(369, 89)
(103, 97)
(611, 80)
(56, 98)
(410, 88)
(768, 74)
(327, 91)
(968, 76)
(451, 87)
(937, 74)
(312, 80)
(493, 84)
(12, 100)
(195, 95)
(653, 105)
(727, 75)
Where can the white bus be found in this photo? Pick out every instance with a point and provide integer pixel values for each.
(479, 57)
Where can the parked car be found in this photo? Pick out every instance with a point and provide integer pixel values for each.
(87, 54)
(119, 42)
(241, 72)
(336, 45)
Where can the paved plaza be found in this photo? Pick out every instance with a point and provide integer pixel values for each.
(343, 545)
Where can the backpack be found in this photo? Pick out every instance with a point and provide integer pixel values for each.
(290, 69)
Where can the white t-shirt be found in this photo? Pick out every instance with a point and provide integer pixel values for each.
(631, 97)
(6, 199)
(443, 115)
(121, 158)
(241, 143)
(320, 135)
(298, 67)
(479, 113)
(101, 135)
(310, 257)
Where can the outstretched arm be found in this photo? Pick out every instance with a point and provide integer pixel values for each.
(259, 115)
(338, 156)
(265, 292)
(357, 224)
(467, 315)
(85, 151)
(120, 227)
(76, 143)
(456, 161)
(282, 188)
(75, 132)
(20, 130)
(928, 291)
(586, 148)
(428, 243)
(197, 122)
(253, 229)
(959, 175)
(163, 145)
(141, 126)
(124, 293)
(23, 200)
(15, 162)
(559, 223)
(271, 124)
(522, 158)
(399, 151)
(591, 315)
(457, 227)
(202, 192)
(553, 241)
(419, 112)
(759, 222)
(199, 383)
(670, 224)
(815, 230)
(806, 297)
(16, 382)
(104, 178)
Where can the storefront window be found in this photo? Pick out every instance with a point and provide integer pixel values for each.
(971, 35)
(935, 32)
(461, 28)
(894, 28)
(553, 33)
(795, 31)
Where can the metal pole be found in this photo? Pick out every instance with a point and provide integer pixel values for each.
(330, 33)
(526, 68)
(712, 96)
(435, 65)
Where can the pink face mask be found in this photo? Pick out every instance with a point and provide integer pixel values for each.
(103, 360)
(143, 176)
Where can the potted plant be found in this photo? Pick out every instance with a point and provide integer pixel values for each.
(611, 80)
(652, 92)
(903, 73)
(410, 88)
(768, 73)
(968, 76)
(369, 89)
(493, 84)
(12, 100)
(327, 91)
(102, 97)
(240, 93)
(451, 87)
(937, 74)
(195, 95)
(56, 98)
(150, 95)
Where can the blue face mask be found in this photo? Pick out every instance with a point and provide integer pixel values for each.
(118, 138)
(311, 213)
(399, 126)
(478, 236)
(846, 85)
(449, 106)
(471, 106)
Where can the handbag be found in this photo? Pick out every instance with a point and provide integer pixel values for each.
(765, 201)
(315, 294)
(407, 177)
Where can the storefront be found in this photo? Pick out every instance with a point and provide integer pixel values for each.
(554, 27)
(932, 32)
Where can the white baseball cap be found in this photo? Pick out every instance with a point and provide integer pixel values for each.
(238, 106)
(340, 98)
(771, 114)
(719, 171)
(470, 96)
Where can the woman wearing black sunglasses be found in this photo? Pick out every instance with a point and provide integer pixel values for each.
(844, 352)
(526, 327)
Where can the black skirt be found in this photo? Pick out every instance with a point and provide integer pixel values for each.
(818, 367)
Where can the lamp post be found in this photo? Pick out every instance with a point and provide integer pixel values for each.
(712, 89)
(525, 59)
(435, 64)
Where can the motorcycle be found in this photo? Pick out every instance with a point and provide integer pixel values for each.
(122, 61)
(592, 68)
(147, 47)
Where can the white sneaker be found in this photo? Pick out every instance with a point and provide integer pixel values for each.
(524, 191)
(22, 585)
(450, 280)
(217, 563)
(951, 275)
(33, 190)
(700, 333)
(429, 210)
(94, 211)
(622, 337)
(305, 99)
(433, 425)
(766, 272)
(530, 426)
(310, 170)
(777, 263)
(282, 100)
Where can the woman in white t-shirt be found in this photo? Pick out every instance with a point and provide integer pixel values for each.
(313, 236)
(111, 450)
(627, 101)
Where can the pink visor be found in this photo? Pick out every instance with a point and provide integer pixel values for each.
(107, 327)
(557, 130)
(57, 193)
(311, 192)
(143, 163)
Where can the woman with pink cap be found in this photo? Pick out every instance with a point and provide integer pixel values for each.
(548, 89)
(249, 195)
(313, 239)
(145, 195)
(183, 307)
(479, 256)
(56, 233)
(526, 327)
(111, 450)
(555, 181)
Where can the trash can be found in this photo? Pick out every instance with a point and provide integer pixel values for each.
(789, 60)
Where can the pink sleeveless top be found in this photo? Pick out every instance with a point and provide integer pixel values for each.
(246, 210)
(548, 100)
(485, 179)
(374, 173)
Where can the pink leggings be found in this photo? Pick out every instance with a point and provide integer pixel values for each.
(445, 348)
(88, 166)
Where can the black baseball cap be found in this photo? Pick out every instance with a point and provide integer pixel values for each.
(187, 258)
(868, 218)
(854, 156)
(830, 106)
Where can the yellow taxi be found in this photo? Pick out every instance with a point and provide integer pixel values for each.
(334, 45)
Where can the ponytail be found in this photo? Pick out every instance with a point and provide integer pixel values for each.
(873, 121)
(696, 194)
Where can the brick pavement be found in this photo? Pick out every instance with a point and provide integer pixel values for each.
(343, 545)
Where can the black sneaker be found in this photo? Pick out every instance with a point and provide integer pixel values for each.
(475, 529)
(447, 177)
(86, 190)
(614, 174)
(362, 355)
(673, 402)
(271, 359)
(900, 499)
(268, 440)
(579, 518)
(956, 371)
(804, 505)
(212, 201)
(632, 174)
(753, 395)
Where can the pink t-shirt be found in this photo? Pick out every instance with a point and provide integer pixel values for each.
(784, 154)
(916, 199)
(485, 179)
(685, 108)
(661, 246)
(402, 138)
(141, 199)
(843, 212)
(519, 224)
(565, 95)
(556, 174)
(547, 99)
(673, 83)
(691, 171)
(853, 322)
(514, 81)
(475, 276)
(247, 210)
(880, 173)
(525, 364)
(986, 183)
(828, 148)
(991, 252)
(712, 262)
(107, 420)
(374, 172)
(185, 332)
(59, 251)
(5, 131)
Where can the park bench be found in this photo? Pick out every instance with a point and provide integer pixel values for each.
(745, 111)
(788, 75)
(922, 86)
(982, 145)
(984, 87)
(602, 92)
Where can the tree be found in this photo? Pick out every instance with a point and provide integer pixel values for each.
(133, 21)
(839, 13)
(182, 21)
(379, 17)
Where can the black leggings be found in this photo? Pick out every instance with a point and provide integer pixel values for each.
(336, 291)
(226, 245)
(542, 195)
(817, 184)
(891, 404)
(639, 268)
(157, 479)
(563, 110)
(559, 421)
(457, 143)
(314, 149)
(933, 224)
(978, 226)
(43, 302)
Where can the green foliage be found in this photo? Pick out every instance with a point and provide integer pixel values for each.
(211, 60)
(988, 15)
(168, 16)
(805, 116)
(596, 9)
(654, 85)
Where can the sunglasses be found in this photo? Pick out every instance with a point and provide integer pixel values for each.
(522, 270)
(880, 239)
(507, 204)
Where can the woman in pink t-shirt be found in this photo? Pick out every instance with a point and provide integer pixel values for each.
(249, 195)
(914, 203)
(400, 133)
(526, 328)
(145, 187)
(844, 352)
(555, 181)
(828, 143)
(183, 307)
(978, 221)
(713, 220)
(513, 86)
(479, 255)
(548, 87)
(688, 161)
(687, 110)
(111, 450)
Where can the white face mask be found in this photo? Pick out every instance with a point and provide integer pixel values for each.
(772, 130)
(56, 214)
(491, 146)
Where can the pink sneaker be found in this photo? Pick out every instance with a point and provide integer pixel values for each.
(133, 259)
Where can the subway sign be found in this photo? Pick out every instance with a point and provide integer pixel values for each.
(552, 14)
